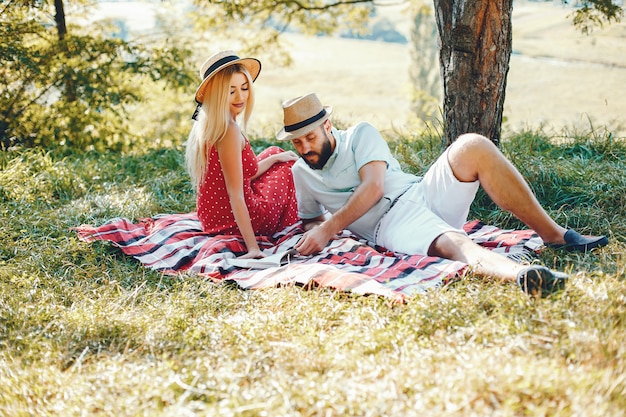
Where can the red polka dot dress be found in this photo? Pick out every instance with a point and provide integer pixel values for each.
(271, 198)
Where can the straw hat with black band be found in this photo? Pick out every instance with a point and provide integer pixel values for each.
(302, 115)
(217, 62)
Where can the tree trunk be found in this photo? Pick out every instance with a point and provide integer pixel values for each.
(59, 17)
(476, 42)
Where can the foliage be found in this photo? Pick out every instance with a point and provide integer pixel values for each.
(254, 26)
(593, 13)
(107, 77)
(85, 330)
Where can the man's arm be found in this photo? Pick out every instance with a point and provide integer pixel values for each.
(364, 197)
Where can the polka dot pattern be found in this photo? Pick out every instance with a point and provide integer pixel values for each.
(271, 198)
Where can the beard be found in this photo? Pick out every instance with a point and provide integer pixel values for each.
(322, 157)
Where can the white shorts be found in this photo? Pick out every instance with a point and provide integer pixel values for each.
(439, 203)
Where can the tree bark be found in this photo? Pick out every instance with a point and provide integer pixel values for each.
(475, 49)
(59, 17)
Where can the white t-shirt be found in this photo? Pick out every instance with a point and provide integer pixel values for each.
(330, 187)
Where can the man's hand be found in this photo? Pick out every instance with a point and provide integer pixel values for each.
(314, 240)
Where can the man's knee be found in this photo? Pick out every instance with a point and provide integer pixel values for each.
(473, 141)
(468, 155)
(449, 245)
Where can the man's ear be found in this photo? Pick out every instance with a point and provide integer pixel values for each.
(328, 125)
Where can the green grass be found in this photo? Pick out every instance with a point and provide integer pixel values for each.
(85, 330)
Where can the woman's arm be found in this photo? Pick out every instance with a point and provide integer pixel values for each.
(229, 151)
(267, 163)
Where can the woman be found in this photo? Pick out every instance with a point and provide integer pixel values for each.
(238, 192)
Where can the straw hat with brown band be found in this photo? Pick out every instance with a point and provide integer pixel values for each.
(302, 115)
(217, 62)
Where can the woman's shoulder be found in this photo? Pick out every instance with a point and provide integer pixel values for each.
(233, 137)
(233, 128)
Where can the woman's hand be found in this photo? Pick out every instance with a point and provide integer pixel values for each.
(267, 162)
(284, 157)
(253, 254)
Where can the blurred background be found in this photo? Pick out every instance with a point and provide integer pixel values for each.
(135, 67)
(558, 77)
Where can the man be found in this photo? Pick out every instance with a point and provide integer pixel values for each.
(350, 180)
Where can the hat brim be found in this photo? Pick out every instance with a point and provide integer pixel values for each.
(284, 135)
(253, 66)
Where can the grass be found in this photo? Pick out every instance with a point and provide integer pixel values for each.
(85, 330)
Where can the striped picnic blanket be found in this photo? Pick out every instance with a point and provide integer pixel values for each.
(175, 244)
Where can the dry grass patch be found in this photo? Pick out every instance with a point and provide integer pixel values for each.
(475, 349)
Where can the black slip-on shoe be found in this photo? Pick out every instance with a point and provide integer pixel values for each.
(539, 281)
(575, 242)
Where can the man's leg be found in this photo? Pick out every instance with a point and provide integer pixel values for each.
(534, 279)
(473, 157)
(485, 263)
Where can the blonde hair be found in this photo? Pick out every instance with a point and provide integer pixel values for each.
(213, 120)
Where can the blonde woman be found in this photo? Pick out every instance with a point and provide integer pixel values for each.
(238, 192)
